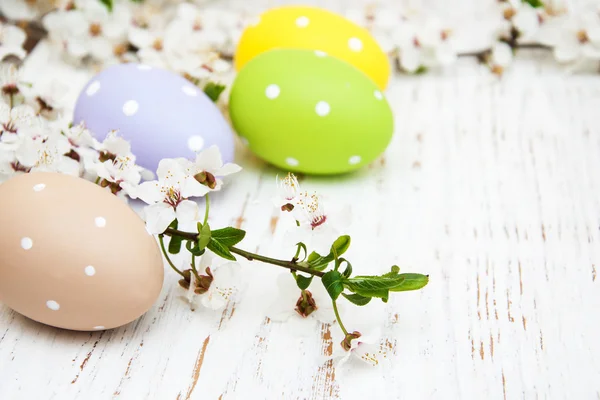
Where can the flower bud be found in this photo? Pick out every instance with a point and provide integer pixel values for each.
(287, 207)
(306, 304)
(347, 342)
(207, 179)
(187, 279)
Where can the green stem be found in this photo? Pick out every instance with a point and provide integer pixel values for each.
(12, 100)
(206, 209)
(162, 247)
(194, 268)
(337, 317)
(97, 180)
(250, 256)
(281, 263)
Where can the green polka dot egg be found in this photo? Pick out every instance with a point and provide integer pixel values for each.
(304, 111)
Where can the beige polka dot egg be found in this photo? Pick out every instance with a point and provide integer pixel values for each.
(73, 255)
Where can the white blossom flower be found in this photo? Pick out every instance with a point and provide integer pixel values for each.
(120, 173)
(207, 169)
(10, 80)
(11, 120)
(291, 306)
(49, 100)
(78, 135)
(194, 40)
(11, 41)
(367, 348)
(575, 38)
(424, 43)
(223, 281)
(150, 44)
(168, 196)
(48, 154)
(114, 145)
(518, 15)
(288, 191)
(90, 29)
(318, 228)
(21, 10)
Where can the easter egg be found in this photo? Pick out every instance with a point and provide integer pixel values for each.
(312, 28)
(74, 256)
(160, 113)
(307, 112)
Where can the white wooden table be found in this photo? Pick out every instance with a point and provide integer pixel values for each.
(491, 187)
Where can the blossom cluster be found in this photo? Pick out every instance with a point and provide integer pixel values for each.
(419, 41)
(36, 136)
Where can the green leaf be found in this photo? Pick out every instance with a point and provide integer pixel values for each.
(332, 281)
(175, 242)
(318, 262)
(205, 235)
(373, 282)
(382, 294)
(193, 248)
(357, 299)
(303, 282)
(213, 90)
(301, 246)
(534, 3)
(228, 236)
(348, 271)
(108, 4)
(219, 249)
(340, 246)
(411, 282)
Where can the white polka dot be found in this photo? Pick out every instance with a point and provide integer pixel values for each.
(354, 160)
(190, 91)
(355, 44)
(272, 91)
(322, 108)
(26, 243)
(54, 306)
(130, 107)
(245, 141)
(90, 271)
(93, 88)
(99, 328)
(302, 22)
(378, 95)
(195, 143)
(292, 162)
(39, 187)
(144, 67)
(100, 222)
(320, 53)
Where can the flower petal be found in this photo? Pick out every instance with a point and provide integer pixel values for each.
(209, 159)
(158, 217)
(228, 169)
(149, 192)
(190, 187)
(187, 211)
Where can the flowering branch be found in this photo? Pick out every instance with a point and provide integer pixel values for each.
(291, 265)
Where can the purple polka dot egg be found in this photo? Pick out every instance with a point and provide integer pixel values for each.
(159, 112)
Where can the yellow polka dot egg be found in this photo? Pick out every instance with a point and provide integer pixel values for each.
(312, 28)
(305, 111)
